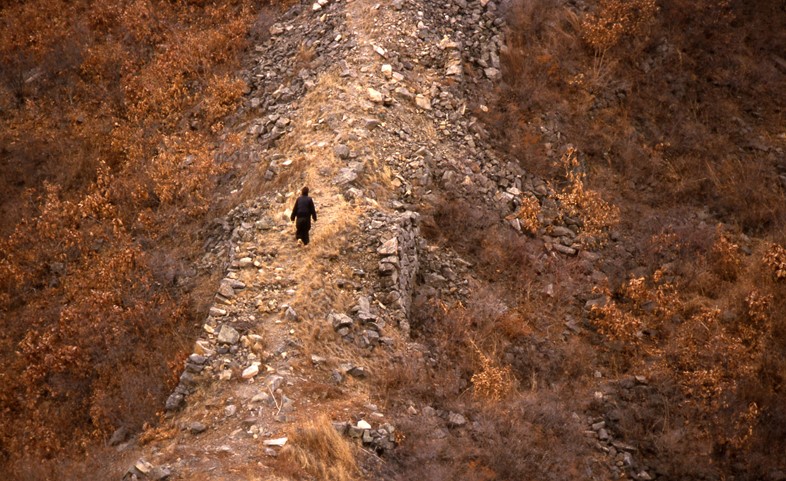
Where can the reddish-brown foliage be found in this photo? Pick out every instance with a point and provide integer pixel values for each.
(109, 113)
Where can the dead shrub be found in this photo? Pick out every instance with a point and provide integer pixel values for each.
(726, 256)
(528, 214)
(775, 259)
(491, 381)
(579, 202)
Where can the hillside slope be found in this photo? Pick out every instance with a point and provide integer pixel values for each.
(457, 315)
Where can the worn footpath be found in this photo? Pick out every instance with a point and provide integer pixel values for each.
(370, 104)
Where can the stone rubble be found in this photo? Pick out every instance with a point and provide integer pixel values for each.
(424, 66)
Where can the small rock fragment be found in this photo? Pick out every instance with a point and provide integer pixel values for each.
(456, 420)
(251, 371)
(228, 335)
(197, 428)
(375, 95)
(278, 442)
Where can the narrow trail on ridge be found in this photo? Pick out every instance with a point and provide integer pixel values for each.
(370, 104)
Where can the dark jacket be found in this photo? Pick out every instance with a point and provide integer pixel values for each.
(304, 208)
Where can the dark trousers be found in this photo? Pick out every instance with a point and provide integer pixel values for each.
(303, 225)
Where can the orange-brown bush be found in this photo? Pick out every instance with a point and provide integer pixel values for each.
(604, 28)
(108, 115)
(578, 201)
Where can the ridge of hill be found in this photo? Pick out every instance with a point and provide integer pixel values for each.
(375, 113)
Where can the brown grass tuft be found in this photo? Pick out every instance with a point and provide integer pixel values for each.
(321, 452)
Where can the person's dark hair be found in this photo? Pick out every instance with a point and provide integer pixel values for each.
(304, 191)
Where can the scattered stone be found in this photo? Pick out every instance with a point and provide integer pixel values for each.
(228, 335)
(245, 262)
(145, 470)
(217, 312)
(274, 382)
(371, 124)
(341, 151)
(492, 73)
(340, 321)
(197, 359)
(174, 402)
(290, 315)
(119, 436)
(226, 290)
(623, 446)
(456, 420)
(251, 371)
(345, 176)
(375, 95)
(390, 247)
(362, 424)
(569, 251)
(423, 102)
(404, 93)
(277, 442)
(197, 428)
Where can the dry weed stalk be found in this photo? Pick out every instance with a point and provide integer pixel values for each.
(775, 259)
(492, 381)
(617, 324)
(528, 214)
(578, 201)
(727, 256)
(128, 97)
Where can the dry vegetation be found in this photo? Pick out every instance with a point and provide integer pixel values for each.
(489, 359)
(318, 450)
(680, 99)
(672, 105)
(110, 114)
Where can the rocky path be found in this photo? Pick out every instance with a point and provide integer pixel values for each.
(371, 105)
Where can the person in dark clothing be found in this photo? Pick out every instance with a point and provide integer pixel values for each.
(303, 212)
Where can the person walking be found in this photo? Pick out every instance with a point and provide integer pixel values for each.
(303, 212)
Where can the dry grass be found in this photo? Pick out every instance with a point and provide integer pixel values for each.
(319, 451)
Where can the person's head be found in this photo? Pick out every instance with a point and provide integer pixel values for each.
(304, 191)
